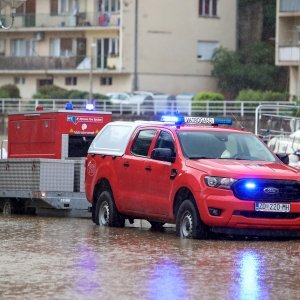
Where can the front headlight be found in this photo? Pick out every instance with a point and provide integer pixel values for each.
(219, 182)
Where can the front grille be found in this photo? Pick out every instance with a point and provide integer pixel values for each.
(266, 215)
(281, 190)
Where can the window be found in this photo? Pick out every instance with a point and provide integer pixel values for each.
(71, 80)
(45, 82)
(143, 142)
(20, 80)
(208, 8)
(109, 6)
(68, 6)
(20, 47)
(113, 47)
(205, 50)
(62, 47)
(106, 81)
(2, 47)
(165, 140)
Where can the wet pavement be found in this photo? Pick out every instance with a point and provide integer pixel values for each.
(61, 258)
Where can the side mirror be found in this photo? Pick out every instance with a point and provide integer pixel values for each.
(163, 154)
(283, 157)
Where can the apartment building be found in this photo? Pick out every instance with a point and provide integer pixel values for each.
(288, 41)
(116, 45)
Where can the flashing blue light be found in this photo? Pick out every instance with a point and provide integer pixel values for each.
(69, 106)
(89, 106)
(176, 119)
(250, 185)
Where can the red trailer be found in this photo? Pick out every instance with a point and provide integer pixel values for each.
(44, 171)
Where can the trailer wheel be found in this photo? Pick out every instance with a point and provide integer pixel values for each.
(188, 222)
(8, 208)
(106, 211)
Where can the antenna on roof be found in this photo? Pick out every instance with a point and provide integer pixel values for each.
(238, 121)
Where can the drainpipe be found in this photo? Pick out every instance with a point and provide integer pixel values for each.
(135, 75)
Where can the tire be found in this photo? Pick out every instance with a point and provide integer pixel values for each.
(156, 225)
(106, 211)
(8, 208)
(188, 222)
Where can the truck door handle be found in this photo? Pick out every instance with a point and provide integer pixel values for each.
(173, 174)
(126, 164)
(148, 168)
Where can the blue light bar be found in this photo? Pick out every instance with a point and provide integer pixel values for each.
(89, 106)
(173, 119)
(223, 121)
(208, 121)
(69, 106)
(177, 120)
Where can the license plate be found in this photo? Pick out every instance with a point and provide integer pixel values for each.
(272, 207)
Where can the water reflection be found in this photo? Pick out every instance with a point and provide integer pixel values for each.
(86, 268)
(249, 270)
(167, 282)
(52, 258)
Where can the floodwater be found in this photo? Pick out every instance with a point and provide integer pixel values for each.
(64, 258)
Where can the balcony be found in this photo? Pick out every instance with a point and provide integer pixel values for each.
(50, 63)
(67, 20)
(289, 6)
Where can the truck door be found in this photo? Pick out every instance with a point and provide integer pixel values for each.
(159, 179)
(132, 172)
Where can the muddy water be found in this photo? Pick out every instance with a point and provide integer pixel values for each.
(57, 258)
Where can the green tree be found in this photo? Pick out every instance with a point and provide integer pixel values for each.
(250, 68)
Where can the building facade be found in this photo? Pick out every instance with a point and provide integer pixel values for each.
(288, 41)
(116, 45)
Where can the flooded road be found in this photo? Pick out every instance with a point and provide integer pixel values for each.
(60, 258)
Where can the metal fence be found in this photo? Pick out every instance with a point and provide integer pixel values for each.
(155, 106)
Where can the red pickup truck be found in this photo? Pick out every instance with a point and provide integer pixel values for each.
(198, 173)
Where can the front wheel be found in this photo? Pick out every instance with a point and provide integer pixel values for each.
(188, 222)
(106, 211)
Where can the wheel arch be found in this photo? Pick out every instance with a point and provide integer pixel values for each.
(182, 194)
(102, 185)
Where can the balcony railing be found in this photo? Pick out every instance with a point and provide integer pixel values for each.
(289, 6)
(289, 54)
(67, 20)
(59, 63)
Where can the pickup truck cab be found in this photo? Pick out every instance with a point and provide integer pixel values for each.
(198, 173)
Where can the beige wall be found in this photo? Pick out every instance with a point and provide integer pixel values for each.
(168, 33)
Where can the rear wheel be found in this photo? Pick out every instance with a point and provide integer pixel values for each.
(106, 211)
(188, 222)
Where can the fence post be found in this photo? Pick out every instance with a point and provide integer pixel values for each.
(207, 108)
(242, 108)
(224, 108)
(138, 112)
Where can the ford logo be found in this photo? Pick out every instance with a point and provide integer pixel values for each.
(271, 190)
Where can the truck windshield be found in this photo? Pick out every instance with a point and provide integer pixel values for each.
(223, 145)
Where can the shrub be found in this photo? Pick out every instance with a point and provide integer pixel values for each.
(261, 96)
(51, 92)
(198, 106)
(9, 91)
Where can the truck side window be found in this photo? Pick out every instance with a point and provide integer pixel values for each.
(165, 140)
(142, 142)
